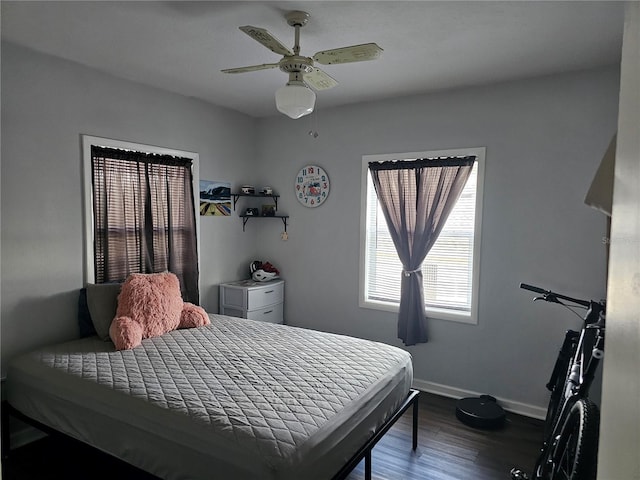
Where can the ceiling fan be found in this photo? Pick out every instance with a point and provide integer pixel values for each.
(296, 99)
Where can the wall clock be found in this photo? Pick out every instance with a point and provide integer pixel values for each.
(312, 186)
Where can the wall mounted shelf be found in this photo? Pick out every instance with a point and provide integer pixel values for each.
(236, 196)
(245, 219)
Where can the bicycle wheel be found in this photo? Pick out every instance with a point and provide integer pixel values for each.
(574, 453)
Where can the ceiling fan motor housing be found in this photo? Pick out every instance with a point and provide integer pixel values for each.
(296, 63)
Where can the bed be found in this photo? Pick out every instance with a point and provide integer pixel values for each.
(234, 399)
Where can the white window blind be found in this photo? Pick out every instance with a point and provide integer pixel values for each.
(448, 268)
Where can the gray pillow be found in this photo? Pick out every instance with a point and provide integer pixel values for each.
(102, 300)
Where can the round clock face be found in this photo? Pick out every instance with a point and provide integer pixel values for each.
(312, 186)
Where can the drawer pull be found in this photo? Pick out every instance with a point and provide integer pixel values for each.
(268, 291)
(266, 313)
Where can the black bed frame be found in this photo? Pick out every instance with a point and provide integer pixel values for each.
(363, 452)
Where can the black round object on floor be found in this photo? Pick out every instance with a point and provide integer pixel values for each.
(480, 412)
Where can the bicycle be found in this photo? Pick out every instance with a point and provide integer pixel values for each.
(571, 427)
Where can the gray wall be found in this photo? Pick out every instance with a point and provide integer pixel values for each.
(544, 139)
(47, 104)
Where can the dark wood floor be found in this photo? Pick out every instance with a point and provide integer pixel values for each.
(447, 450)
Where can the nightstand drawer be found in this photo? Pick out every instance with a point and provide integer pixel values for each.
(265, 296)
(271, 314)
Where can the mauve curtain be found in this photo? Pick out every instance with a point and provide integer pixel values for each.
(416, 198)
(144, 217)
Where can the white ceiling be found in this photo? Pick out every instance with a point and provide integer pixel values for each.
(181, 46)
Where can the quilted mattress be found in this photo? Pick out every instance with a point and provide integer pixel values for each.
(237, 399)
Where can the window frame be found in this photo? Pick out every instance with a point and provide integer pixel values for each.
(439, 313)
(87, 142)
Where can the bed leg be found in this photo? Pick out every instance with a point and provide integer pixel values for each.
(367, 465)
(415, 422)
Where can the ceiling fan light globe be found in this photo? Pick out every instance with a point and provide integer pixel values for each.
(295, 101)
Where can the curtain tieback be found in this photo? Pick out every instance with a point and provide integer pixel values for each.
(407, 273)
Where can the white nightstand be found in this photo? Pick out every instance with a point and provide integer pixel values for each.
(263, 301)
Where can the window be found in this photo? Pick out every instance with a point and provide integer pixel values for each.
(450, 270)
(141, 213)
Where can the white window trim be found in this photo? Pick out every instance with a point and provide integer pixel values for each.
(479, 153)
(87, 142)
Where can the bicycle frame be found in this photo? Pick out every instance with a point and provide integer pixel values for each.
(582, 368)
(564, 357)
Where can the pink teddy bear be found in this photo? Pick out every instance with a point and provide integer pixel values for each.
(150, 305)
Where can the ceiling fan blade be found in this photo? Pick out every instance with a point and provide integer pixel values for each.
(319, 80)
(355, 53)
(265, 38)
(252, 68)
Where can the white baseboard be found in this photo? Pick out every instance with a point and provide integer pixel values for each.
(512, 406)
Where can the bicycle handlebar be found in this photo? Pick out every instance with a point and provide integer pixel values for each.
(549, 296)
(532, 288)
